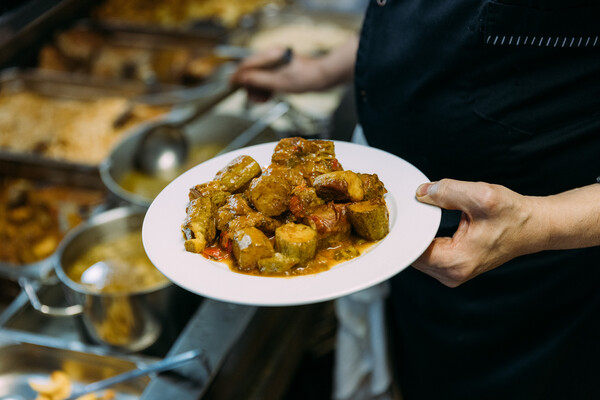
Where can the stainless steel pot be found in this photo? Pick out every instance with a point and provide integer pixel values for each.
(212, 130)
(129, 321)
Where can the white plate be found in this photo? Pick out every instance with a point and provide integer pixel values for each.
(412, 228)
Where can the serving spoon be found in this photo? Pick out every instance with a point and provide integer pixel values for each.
(163, 147)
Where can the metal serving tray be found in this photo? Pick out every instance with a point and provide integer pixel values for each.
(24, 30)
(40, 173)
(62, 86)
(156, 58)
(73, 86)
(208, 26)
(21, 362)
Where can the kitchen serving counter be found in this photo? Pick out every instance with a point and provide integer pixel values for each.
(213, 327)
(249, 352)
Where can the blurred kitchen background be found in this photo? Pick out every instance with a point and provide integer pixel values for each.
(80, 82)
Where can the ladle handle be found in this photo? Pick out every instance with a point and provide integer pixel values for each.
(31, 292)
(159, 366)
(257, 127)
(221, 91)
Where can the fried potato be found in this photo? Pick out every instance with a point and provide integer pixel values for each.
(59, 386)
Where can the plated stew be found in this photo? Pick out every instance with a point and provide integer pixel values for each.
(299, 215)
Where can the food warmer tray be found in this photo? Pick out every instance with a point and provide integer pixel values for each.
(22, 362)
(26, 28)
(22, 29)
(43, 170)
(45, 173)
(75, 87)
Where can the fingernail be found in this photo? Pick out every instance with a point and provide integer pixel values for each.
(422, 189)
(426, 188)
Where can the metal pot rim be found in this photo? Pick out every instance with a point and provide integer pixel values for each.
(100, 219)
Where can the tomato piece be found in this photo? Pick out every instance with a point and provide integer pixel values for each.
(296, 206)
(214, 253)
(335, 165)
(226, 242)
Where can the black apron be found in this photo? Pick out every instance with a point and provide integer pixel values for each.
(509, 93)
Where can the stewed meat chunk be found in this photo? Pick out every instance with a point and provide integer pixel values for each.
(249, 246)
(304, 200)
(255, 219)
(330, 221)
(339, 186)
(270, 195)
(309, 157)
(213, 190)
(292, 176)
(235, 206)
(373, 188)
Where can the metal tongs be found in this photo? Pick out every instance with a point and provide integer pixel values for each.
(165, 364)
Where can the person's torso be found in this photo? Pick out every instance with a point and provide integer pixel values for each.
(484, 90)
(506, 92)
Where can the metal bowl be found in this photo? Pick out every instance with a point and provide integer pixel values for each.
(128, 320)
(206, 137)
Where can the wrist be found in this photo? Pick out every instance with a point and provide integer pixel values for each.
(567, 220)
(539, 225)
(327, 74)
(336, 67)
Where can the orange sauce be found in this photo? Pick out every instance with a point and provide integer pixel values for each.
(324, 260)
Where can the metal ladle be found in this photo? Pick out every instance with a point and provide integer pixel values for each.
(163, 148)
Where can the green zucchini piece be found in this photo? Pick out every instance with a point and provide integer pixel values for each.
(236, 175)
(277, 264)
(199, 226)
(296, 241)
(370, 219)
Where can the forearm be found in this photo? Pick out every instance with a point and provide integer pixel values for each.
(337, 66)
(569, 220)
